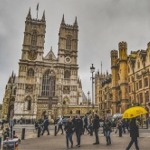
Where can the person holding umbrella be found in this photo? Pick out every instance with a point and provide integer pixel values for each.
(134, 134)
(132, 113)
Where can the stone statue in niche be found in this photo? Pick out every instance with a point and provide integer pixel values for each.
(29, 88)
(66, 90)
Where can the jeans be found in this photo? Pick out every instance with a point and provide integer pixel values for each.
(69, 138)
(90, 129)
(78, 134)
(96, 135)
(108, 139)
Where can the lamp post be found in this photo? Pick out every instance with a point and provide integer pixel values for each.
(92, 68)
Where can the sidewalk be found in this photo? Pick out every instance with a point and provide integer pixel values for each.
(58, 142)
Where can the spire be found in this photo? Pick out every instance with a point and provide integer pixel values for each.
(63, 20)
(37, 9)
(29, 14)
(76, 22)
(51, 49)
(101, 67)
(43, 17)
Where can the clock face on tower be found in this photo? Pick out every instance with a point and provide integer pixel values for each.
(32, 55)
(67, 60)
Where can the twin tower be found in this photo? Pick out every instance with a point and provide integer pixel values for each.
(119, 78)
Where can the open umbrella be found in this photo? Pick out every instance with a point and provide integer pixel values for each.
(134, 112)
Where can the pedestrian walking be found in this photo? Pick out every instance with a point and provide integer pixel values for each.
(60, 125)
(69, 128)
(45, 126)
(107, 131)
(123, 126)
(147, 122)
(96, 128)
(119, 126)
(90, 124)
(134, 134)
(78, 129)
(85, 120)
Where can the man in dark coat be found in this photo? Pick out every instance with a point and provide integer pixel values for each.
(45, 125)
(69, 128)
(96, 127)
(78, 129)
(134, 134)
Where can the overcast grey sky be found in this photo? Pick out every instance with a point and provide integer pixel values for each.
(102, 25)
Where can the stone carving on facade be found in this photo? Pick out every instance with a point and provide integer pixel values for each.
(32, 55)
(66, 90)
(29, 88)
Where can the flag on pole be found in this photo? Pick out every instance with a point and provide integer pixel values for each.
(37, 7)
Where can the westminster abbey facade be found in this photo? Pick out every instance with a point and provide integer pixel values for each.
(45, 85)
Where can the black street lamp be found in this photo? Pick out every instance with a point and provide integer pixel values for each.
(92, 68)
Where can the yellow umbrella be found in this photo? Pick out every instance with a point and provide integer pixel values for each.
(134, 112)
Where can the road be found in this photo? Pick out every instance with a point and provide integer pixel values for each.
(58, 142)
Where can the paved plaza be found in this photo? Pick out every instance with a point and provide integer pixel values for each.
(51, 142)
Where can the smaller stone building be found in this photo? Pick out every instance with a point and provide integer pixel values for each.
(129, 83)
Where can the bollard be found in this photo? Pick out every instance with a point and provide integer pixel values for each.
(39, 131)
(55, 133)
(23, 134)
(0, 142)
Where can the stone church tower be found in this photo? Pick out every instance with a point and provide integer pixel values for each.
(114, 70)
(119, 78)
(47, 82)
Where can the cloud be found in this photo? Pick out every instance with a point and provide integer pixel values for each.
(102, 25)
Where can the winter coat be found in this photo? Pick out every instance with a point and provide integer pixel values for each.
(69, 128)
(134, 129)
(107, 126)
(79, 125)
(96, 122)
(46, 123)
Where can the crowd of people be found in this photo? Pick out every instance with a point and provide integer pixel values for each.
(90, 124)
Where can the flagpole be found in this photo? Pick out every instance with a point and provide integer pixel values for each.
(37, 9)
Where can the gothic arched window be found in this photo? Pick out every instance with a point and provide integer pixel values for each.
(68, 42)
(30, 72)
(48, 84)
(67, 74)
(34, 39)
